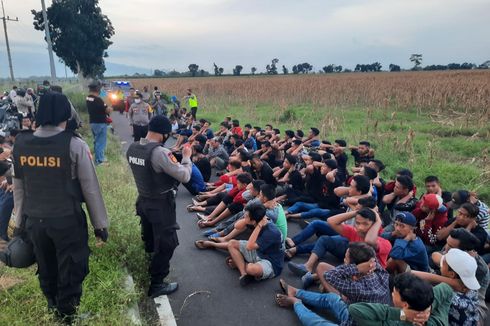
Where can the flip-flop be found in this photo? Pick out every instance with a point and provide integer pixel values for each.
(201, 217)
(229, 262)
(195, 202)
(246, 279)
(190, 208)
(288, 243)
(288, 255)
(202, 224)
(284, 286)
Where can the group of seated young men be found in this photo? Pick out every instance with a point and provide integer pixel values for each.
(394, 242)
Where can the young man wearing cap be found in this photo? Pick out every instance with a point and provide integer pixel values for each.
(139, 117)
(47, 163)
(415, 302)
(408, 252)
(462, 239)
(157, 173)
(458, 269)
(465, 218)
(97, 112)
(462, 196)
(430, 220)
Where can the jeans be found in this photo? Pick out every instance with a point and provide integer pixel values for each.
(309, 210)
(317, 228)
(328, 301)
(336, 245)
(99, 131)
(6, 207)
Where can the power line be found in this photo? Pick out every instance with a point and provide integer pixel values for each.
(5, 19)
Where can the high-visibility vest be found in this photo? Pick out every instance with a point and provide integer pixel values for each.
(193, 101)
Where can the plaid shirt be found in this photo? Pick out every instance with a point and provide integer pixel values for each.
(373, 288)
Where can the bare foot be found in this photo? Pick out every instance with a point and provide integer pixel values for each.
(290, 243)
(285, 301)
(287, 289)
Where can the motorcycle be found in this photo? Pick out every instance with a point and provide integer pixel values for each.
(9, 116)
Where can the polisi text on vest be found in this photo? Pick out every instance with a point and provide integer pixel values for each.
(136, 160)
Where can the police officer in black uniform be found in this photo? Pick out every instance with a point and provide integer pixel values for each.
(157, 174)
(53, 174)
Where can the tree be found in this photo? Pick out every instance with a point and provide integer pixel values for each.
(338, 68)
(285, 70)
(394, 67)
(217, 70)
(328, 69)
(193, 69)
(253, 70)
(295, 69)
(417, 60)
(237, 70)
(305, 67)
(158, 73)
(484, 65)
(272, 68)
(80, 34)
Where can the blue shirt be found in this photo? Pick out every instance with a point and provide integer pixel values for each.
(412, 252)
(315, 143)
(270, 247)
(197, 179)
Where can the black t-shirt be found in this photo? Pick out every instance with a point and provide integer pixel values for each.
(205, 168)
(329, 200)
(96, 109)
(342, 167)
(266, 174)
(478, 232)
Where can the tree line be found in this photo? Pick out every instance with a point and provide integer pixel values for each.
(306, 68)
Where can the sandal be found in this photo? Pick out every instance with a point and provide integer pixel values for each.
(203, 224)
(190, 208)
(201, 217)
(290, 243)
(288, 254)
(284, 286)
(230, 263)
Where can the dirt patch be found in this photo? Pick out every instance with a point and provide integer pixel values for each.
(6, 282)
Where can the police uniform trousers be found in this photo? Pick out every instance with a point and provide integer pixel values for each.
(62, 253)
(159, 233)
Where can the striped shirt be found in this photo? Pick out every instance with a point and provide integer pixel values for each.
(483, 215)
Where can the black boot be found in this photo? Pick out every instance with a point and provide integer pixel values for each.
(164, 288)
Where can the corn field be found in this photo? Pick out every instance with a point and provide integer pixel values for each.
(440, 92)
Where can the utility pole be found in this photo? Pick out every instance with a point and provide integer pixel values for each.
(5, 19)
(48, 40)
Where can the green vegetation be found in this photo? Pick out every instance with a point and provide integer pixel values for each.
(456, 151)
(104, 297)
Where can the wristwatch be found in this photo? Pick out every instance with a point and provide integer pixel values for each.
(403, 317)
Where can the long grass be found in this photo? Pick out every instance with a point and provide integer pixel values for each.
(435, 123)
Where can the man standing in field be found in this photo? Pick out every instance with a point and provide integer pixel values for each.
(192, 98)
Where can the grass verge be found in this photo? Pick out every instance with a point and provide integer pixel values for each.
(104, 296)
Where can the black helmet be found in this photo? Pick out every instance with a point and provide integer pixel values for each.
(21, 92)
(18, 253)
(94, 85)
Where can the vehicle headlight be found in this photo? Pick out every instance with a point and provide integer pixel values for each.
(114, 96)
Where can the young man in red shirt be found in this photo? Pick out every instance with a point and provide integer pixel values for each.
(366, 228)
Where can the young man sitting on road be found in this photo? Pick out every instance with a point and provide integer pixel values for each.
(408, 252)
(259, 258)
(366, 228)
(360, 279)
(415, 302)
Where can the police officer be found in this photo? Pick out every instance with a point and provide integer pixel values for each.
(54, 173)
(157, 174)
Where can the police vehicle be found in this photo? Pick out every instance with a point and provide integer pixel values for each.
(117, 92)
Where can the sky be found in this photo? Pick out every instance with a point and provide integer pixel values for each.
(171, 34)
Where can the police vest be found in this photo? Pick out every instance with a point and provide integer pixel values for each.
(44, 166)
(149, 183)
(193, 101)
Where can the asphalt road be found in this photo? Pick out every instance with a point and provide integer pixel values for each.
(209, 292)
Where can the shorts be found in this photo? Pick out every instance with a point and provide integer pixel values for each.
(251, 256)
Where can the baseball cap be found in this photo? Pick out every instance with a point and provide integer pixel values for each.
(458, 198)
(465, 266)
(432, 201)
(160, 124)
(406, 218)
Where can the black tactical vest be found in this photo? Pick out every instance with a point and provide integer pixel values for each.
(149, 183)
(44, 166)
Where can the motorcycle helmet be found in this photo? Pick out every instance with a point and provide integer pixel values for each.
(19, 253)
(21, 92)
